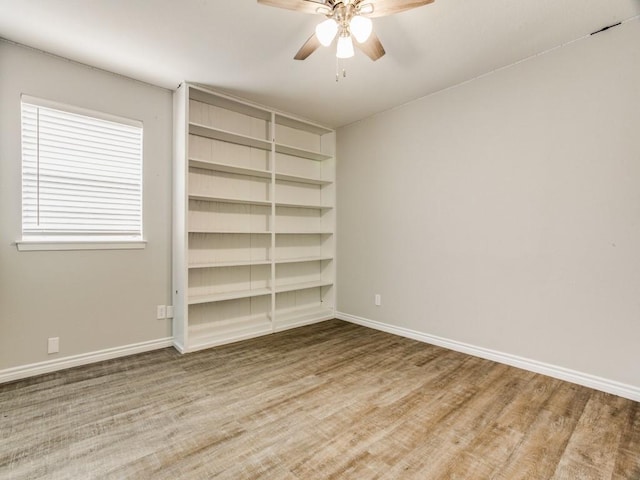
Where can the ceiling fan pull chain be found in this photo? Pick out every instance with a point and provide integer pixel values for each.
(338, 68)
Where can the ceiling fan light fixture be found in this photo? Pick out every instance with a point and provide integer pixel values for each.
(365, 8)
(322, 10)
(326, 31)
(345, 47)
(360, 28)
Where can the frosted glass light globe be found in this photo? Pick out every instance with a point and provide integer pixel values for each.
(360, 28)
(326, 31)
(345, 47)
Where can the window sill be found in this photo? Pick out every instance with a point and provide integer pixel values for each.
(36, 245)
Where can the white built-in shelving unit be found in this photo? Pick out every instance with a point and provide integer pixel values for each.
(254, 220)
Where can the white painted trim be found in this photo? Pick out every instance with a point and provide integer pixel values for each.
(598, 383)
(178, 345)
(48, 366)
(40, 245)
(302, 323)
(227, 339)
(41, 102)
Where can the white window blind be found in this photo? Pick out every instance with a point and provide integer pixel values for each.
(81, 174)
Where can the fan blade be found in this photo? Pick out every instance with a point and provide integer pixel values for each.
(372, 47)
(308, 48)
(382, 8)
(305, 6)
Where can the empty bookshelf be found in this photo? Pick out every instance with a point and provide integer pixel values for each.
(254, 220)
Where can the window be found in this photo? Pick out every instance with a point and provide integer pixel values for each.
(81, 177)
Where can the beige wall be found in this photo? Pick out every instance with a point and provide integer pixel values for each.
(92, 300)
(505, 212)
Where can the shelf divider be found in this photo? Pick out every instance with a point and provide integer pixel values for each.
(300, 205)
(281, 261)
(243, 201)
(228, 168)
(302, 286)
(226, 136)
(233, 295)
(300, 179)
(231, 263)
(301, 152)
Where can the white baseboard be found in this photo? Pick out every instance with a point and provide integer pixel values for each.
(609, 386)
(303, 322)
(48, 366)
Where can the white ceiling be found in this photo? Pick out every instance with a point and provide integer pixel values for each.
(247, 49)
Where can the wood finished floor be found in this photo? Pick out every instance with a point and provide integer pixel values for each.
(327, 401)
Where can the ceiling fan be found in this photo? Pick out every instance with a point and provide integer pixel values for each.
(348, 20)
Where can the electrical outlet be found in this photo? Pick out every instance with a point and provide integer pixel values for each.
(53, 345)
(169, 311)
(161, 312)
(377, 300)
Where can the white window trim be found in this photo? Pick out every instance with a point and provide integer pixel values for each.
(45, 244)
(41, 102)
(35, 245)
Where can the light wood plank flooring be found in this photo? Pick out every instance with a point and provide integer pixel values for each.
(328, 401)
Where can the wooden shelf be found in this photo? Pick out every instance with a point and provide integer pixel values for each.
(302, 286)
(304, 233)
(228, 232)
(226, 136)
(301, 205)
(300, 179)
(220, 297)
(291, 122)
(302, 260)
(255, 172)
(226, 168)
(201, 94)
(301, 152)
(246, 201)
(236, 263)
(243, 201)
